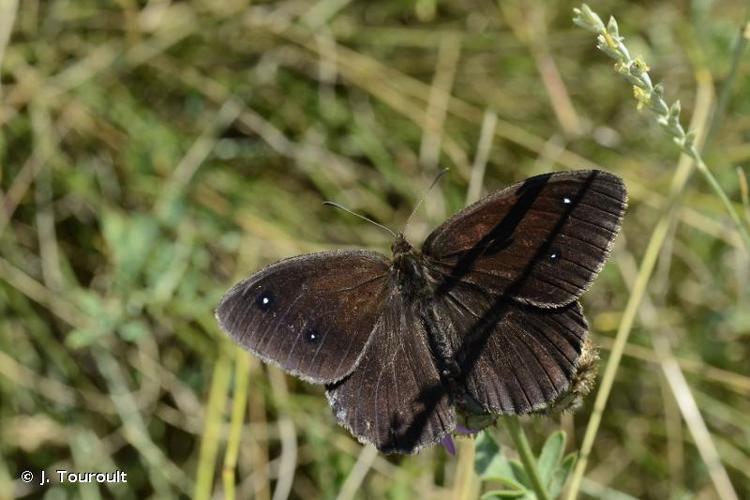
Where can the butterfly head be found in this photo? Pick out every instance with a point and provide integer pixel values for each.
(401, 247)
(406, 261)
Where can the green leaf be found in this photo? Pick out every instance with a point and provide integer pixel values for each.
(503, 494)
(491, 465)
(83, 337)
(133, 330)
(560, 475)
(489, 461)
(104, 312)
(506, 481)
(130, 239)
(520, 473)
(549, 458)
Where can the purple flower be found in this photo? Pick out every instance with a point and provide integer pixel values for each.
(449, 444)
(460, 429)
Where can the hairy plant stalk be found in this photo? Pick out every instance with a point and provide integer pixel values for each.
(527, 456)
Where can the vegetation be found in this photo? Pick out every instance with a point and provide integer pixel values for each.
(153, 152)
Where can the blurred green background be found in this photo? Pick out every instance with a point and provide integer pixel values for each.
(152, 153)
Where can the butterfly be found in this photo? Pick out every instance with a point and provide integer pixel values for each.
(483, 320)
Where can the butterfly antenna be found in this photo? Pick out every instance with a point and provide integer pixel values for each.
(381, 226)
(421, 200)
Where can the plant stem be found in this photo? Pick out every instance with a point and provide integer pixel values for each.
(623, 332)
(239, 407)
(726, 89)
(465, 486)
(703, 169)
(211, 437)
(527, 455)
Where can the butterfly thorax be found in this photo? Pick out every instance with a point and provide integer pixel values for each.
(407, 269)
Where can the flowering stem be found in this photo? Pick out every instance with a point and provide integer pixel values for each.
(668, 116)
(651, 96)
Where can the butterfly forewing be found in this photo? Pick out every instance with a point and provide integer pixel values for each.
(395, 398)
(311, 315)
(541, 241)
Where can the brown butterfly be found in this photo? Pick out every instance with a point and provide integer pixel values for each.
(484, 319)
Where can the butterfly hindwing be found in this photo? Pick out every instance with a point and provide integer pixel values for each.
(541, 241)
(395, 398)
(534, 351)
(311, 315)
(510, 358)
